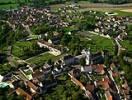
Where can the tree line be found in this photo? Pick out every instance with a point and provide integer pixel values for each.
(110, 1)
(47, 2)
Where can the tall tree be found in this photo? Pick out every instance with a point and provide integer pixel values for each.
(7, 35)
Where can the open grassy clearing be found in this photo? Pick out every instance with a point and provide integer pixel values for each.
(41, 59)
(6, 1)
(13, 1)
(127, 45)
(19, 46)
(9, 6)
(102, 43)
(122, 13)
(97, 43)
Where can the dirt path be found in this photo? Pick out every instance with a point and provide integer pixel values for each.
(103, 5)
(127, 10)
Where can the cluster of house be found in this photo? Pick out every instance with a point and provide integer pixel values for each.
(34, 16)
(53, 44)
(69, 12)
(30, 82)
(50, 46)
(113, 25)
(100, 77)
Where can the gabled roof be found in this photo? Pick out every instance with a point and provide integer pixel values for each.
(99, 68)
(31, 85)
(90, 87)
(37, 74)
(104, 83)
(115, 74)
(21, 92)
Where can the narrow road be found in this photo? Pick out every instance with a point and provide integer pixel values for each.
(27, 28)
(120, 48)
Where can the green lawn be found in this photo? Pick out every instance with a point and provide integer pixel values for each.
(98, 43)
(19, 46)
(9, 6)
(105, 42)
(6, 1)
(126, 44)
(122, 13)
(11, 1)
(41, 59)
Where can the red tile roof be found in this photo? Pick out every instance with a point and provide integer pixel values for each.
(115, 74)
(110, 97)
(99, 68)
(104, 83)
(21, 92)
(89, 87)
(31, 85)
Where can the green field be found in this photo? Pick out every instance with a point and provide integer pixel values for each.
(127, 45)
(19, 46)
(122, 13)
(41, 59)
(6, 1)
(98, 43)
(102, 43)
(11, 1)
(9, 6)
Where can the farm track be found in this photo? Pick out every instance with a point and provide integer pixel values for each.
(84, 6)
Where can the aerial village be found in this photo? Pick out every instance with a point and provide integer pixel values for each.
(88, 70)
